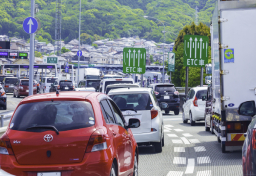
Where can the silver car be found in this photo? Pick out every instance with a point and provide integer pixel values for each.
(8, 84)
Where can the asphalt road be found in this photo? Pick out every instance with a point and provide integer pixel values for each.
(12, 102)
(188, 150)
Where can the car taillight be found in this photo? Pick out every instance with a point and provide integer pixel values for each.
(254, 139)
(156, 93)
(154, 114)
(58, 86)
(5, 146)
(97, 141)
(195, 102)
(73, 87)
(176, 93)
(3, 94)
(6, 86)
(21, 87)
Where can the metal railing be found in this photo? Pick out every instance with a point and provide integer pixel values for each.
(5, 118)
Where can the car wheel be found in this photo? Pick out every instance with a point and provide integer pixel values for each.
(183, 117)
(14, 94)
(218, 139)
(223, 148)
(158, 146)
(135, 167)
(212, 127)
(163, 141)
(5, 107)
(206, 127)
(192, 122)
(177, 112)
(18, 95)
(113, 170)
(166, 112)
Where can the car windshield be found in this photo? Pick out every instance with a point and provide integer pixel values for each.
(133, 101)
(92, 77)
(93, 83)
(117, 82)
(63, 115)
(51, 80)
(201, 93)
(24, 83)
(11, 80)
(119, 87)
(165, 88)
(65, 83)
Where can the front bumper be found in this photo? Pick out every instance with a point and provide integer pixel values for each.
(8, 89)
(148, 137)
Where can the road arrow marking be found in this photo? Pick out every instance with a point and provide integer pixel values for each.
(185, 48)
(129, 57)
(30, 23)
(196, 46)
(190, 46)
(134, 57)
(201, 40)
(139, 59)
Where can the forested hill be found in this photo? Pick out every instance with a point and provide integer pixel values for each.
(106, 18)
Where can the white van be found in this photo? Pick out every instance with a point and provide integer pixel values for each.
(105, 82)
(46, 84)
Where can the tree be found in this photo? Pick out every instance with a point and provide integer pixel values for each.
(151, 59)
(178, 76)
(95, 45)
(38, 54)
(64, 50)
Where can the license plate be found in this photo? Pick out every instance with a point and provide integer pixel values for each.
(166, 97)
(27, 90)
(48, 174)
(66, 88)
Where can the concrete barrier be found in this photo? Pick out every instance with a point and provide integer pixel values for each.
(5, 119)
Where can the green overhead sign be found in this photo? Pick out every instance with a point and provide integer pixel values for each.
(171, 61)
(195, 50)
(134, 60)
(52, 60)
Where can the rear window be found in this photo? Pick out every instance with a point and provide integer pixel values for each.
(24, 83)
(11, 80)
(93, 83)
(117, 82)
(63, 115)
(165, 88)
(66, 83)
(201, 93)
(133, 101)
(51, 80)
(92, 77)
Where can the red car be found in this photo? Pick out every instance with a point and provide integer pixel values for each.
(69, 134)
(21, 88)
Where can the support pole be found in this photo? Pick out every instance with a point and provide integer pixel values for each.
(202, 77)
(32, 52)
(186, 88)
(79, 44)
(141, 80)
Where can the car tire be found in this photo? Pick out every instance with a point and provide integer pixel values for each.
(206, 127)
(219, 141)
(177, 112)
(163, 141)
(14, 94)
(113, 170)
(223, 148)
(5, 107)
(158, 146)
(212, 127)
(166, 111)
(136, 166)
(18, 95)
(183, 117)
(192, 122)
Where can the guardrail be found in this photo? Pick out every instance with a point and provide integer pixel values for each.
(5, 118)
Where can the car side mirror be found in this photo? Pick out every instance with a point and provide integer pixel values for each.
(247, 108)
(134, 123)
(204, 98)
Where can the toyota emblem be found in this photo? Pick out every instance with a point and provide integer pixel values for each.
(48, 138)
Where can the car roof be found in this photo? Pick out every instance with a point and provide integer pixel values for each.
(199, 88)
(157, 84)
(117, 79)
(130, 91)
(125, 84)
(65, 80)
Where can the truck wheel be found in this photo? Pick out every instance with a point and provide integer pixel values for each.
(223, 148)
(206, 127)
(166, 112)
(192, 122)
(176, 112)
(212, 127)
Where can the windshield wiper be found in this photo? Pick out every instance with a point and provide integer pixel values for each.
(45, 126)
(129, 109)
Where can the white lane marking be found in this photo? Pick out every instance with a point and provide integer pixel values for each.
(203, 160)
(185, 140)
(194, 141)
(168, 126)
(167, 130)
(172, 135)
(200, 149)
(204, 173)
(3, 173)
(179, 160)
(190, 166)
(179, 149)
(187, 135)
(174, 119)
(178, 130)
(177, 141)
(175, 173)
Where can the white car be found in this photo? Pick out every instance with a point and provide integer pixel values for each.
(3, 98)
(141, 103)
(86, 89)
(46, 84)
(194, 106)
(105, 82)
(118, 86)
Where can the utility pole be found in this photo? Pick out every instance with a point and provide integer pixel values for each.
(32, 53)
(58, 28)
(163, 58)
(79, 43)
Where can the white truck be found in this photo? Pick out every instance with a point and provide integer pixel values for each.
(91, 73)
(233, 73)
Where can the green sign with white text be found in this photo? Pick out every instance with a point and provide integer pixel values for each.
(134, 60)
(52, 60)
(195, 50)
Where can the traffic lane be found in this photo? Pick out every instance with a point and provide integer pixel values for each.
(188, 150)
(12, 102)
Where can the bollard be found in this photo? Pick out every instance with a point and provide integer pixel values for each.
(2, 120)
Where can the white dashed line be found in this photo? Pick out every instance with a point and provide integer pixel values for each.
(194, 141)
(165, 130)
(185, 140)
(172, 135)
(187, 135)
(175, 173)
(179, 149)
(200, 149)
(204, 173)
(179, 160)
(168, 126)
(203, 160)
(173, 119)
(190, 166)
(178, 130)
(177, 141)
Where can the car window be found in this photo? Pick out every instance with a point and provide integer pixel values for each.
(188, 95)
(154, 96)
(116, 82)
(192, 94)
(201, 93)
(10, 81)
(117, 113)
(108, 111)
(133, 101)
(165, 88)
(63, 115)
(66, 83)
(51, 80)
(24, 82)
(104, 114)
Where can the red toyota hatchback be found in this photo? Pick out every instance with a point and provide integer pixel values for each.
(69, 134)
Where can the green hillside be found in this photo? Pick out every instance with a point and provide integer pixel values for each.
(106, 18)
